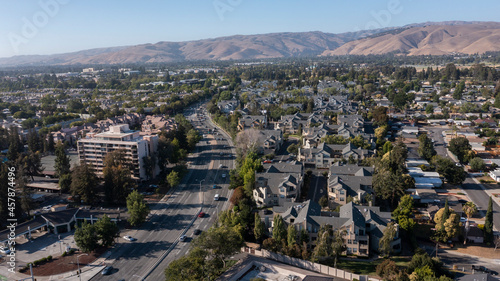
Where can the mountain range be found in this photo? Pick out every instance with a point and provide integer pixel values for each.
(417, 39)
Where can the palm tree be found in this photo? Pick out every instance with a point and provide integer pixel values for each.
(469, 209)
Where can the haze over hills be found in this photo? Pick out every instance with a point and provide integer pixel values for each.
(415, 39)
(428, 40)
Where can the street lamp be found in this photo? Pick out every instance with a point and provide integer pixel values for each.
(77, 262)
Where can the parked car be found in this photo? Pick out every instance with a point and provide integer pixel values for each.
(223, 176)
(107, 270)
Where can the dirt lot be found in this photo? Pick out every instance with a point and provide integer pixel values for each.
(68, 263)
(480, 251)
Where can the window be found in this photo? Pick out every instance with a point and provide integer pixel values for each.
(342, 192)
(361, 232)
(341, 198)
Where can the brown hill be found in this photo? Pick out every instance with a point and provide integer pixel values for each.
(428, 40)
(276, 45)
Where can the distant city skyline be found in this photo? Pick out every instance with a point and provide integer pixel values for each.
(60, 26)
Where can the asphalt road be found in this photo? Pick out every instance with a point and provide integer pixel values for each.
(158, 238)
(473, 190)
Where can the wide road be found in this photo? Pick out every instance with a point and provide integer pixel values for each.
(158, 238)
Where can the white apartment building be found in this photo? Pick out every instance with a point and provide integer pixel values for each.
(93, 149)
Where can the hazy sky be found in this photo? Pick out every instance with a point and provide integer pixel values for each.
(57, 26)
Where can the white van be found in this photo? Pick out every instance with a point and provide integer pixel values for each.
(216, 197)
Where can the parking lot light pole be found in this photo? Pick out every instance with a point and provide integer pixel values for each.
(78, 263)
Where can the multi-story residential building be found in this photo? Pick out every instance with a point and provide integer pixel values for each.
(93, 149)
(350, 180)
(325, 155)
(363, 225)
(279, 183)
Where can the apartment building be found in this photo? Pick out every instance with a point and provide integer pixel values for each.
(93, 149)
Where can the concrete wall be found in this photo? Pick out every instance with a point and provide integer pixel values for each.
(316, 267)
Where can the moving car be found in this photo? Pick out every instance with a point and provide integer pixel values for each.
(5, 250)
(129, 238)
(197, 232)
(214, 186)
(183, 238)
(201, 214)
(107, 270)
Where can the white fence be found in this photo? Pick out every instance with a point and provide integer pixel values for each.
(307, 265)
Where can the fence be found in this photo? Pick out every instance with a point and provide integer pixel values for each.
(307, 265)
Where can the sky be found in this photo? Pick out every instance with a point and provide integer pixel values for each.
(41, 27)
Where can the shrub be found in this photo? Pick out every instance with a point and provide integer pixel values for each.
(64, 254)
(72, 251)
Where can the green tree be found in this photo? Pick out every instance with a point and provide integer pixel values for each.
(379, 114)
(323, 201)
(259, 228)
(137, 208)
(389, 271)
(220, 243)
(447, 223)
(173, 178)
(477, 164)
(15, 145)
(32, 164)
(323, 248)
(387, 147)
(391, 186)
(62, 162)
(279, 230)
(469, 209)
(402, 214)
(292, 235)
(388, 236)
(84, 183)
(488, 223)
(293, 149)
(429, 109)
(118, 180)
(106, 230)
(338, 245)
(451, 172)
(190, 267)
(425, 147)
(460, 146)
(86, 237)
(65, 182)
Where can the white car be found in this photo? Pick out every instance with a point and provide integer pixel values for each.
(223, 176)
(462, 219)
(129, 238)
(5, 250)
(183, 238)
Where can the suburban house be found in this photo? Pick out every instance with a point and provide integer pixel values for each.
(279, 183)
(363, 226)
